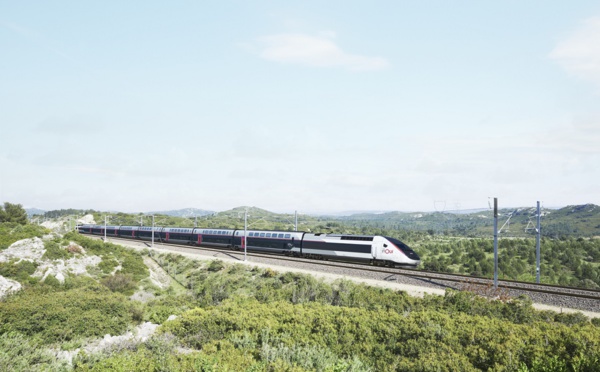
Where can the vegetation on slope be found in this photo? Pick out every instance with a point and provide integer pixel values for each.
(239, 318)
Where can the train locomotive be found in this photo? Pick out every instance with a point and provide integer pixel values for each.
(376, 249)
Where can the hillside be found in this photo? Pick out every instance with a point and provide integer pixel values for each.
(85, 305)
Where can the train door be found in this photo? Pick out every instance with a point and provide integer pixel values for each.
(377, 249)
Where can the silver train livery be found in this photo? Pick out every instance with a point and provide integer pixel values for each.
(378, 250)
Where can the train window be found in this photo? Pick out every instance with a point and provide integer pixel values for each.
(251, 234)
(262, 235)
(287, 236)
(281, 235)
(268, 235)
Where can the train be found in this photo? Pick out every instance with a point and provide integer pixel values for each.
(375, 249)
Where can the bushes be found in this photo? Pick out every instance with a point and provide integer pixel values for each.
(108, 264)
(159, 310)
(54, 251)
(112, 255)
(20, 271)
(215, 265)
(122, 283)
(386, 340)
(12, 232)
(158, 354)
(62, 314)
(20, 353)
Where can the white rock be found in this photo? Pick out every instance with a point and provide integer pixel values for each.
(8, 285)
(26, 249)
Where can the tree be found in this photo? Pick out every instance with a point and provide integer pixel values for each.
(13, 213)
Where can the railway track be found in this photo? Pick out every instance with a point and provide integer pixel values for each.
(564, 296)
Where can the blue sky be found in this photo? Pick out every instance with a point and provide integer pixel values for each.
(310, 106)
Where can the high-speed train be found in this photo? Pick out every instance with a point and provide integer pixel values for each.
(378, 250)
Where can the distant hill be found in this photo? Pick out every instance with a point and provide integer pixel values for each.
(186, 212)
(578, 220)
(34, 211)
(570, 221)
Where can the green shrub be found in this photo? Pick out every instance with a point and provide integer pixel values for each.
(52, 281)
(12, 232)
(157, 311)
(108, 264)
(269, 273)
(387, 340)
(112, 255)
(571, 318)
(157, 354)
(65, 313)
(216, 265)
(54, 251)
(132, 263)
(19, 271)
(123, 283)
(21, 353)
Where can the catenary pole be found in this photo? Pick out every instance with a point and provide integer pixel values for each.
(152, 231)
(295, 220)
(245, 232)
(105, 218)
(537, 245)
(495, 242)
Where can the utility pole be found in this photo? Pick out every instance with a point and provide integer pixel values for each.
(152, 231)
(295, 220)
(495, 242)
(537, 245)
(195, 221)
(245, 231)
(105, 219)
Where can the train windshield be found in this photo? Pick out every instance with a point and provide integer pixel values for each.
(404, 248)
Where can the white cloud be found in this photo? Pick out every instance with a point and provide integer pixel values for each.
(316, 51)
(579, 54)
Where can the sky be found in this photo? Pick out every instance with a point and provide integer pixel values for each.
(311, 106)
